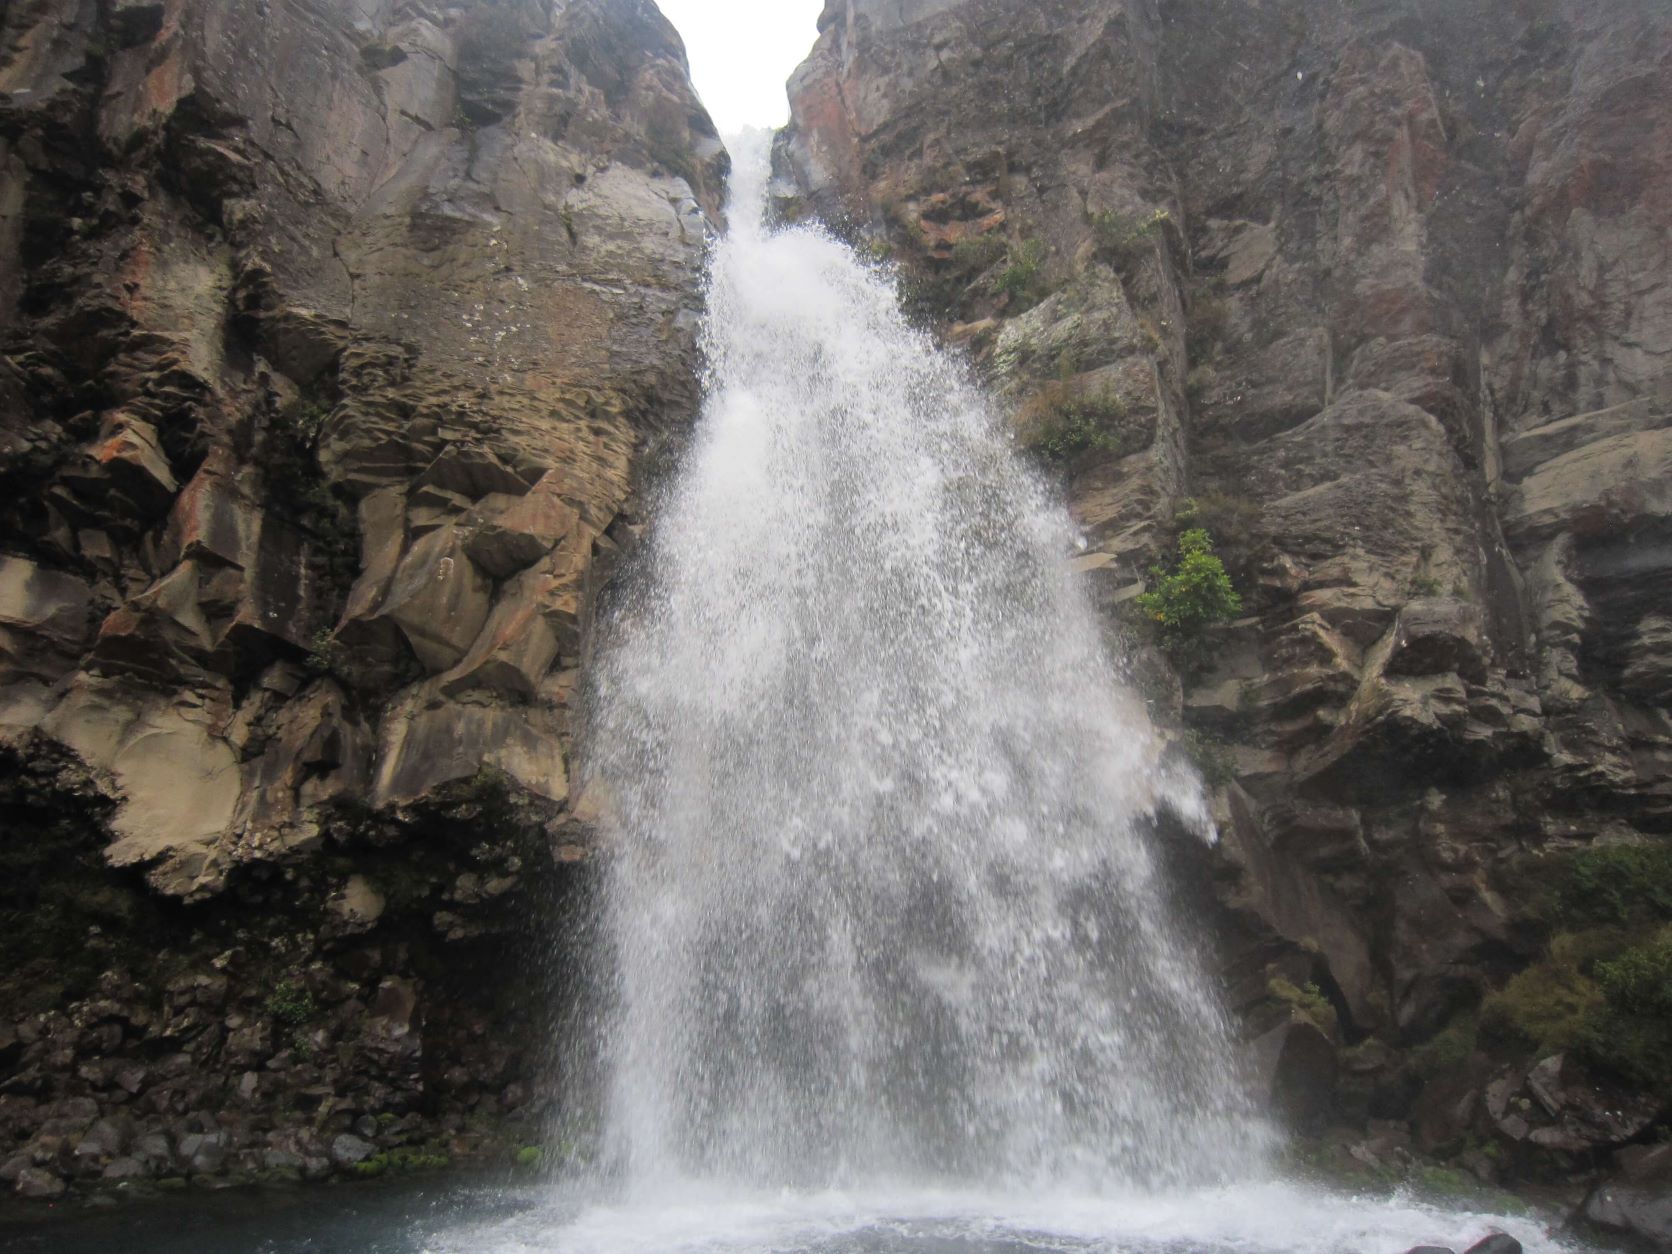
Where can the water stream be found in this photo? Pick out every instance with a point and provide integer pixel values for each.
(895, 966)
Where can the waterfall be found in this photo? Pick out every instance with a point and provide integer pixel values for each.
(883, 892)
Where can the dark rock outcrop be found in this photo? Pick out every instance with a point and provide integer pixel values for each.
(332, 333)
(1380, 295)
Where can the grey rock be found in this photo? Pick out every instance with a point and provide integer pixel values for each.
(1637, 1198)
(127, 1169)
(37, 1183)
(1497, 1243)
(348, 1150)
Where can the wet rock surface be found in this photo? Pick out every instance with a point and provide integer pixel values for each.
(333, 335)
(1379, 295)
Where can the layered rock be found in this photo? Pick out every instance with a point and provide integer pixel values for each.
(332, 335)
(1380, 295)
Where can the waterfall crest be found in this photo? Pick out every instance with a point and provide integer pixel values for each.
(880, 882)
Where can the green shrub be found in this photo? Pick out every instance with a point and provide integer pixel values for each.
(1200, 381)
(1208, 325)
(1600, 994)
(1121, 237)
(1639, 981)
(1616, 886)
(1069, 423)
(1449, 1049)
(975, 254)
(1194, 595)
(291, 1002)
(934, 290)
(1309, 1003)
(1022, 281)
(530, 1156)
(1234, 522)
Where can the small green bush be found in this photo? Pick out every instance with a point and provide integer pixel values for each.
(1309, 1003)
(1200, 381)
(1188, 599)
(1207, 327)
(1449, 1049)
(291, 1002)
(530, 1156)
(1616, 886)
(1075, 423)
(1022, 280)
(934, 290)
(975, 254)
(1600, 994)
(1122, 236)
(1639, 981)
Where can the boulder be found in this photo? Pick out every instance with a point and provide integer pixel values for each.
(39, 1184)
(1434, 635)
(43, 602)
(439, 599)
(426, 745)
(1297, 1067)
(348, 1150)
(1636, 1198)
(122, 1169)
(514, 532)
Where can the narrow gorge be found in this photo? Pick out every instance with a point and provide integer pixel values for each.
(1078, 656)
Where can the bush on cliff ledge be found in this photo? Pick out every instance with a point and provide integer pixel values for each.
(1194, 595)
(1064, 423)
(1604, 987)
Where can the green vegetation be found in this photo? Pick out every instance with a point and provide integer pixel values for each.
(1603, 990)
(1639, 980)
(975, 254)
(1448, 1050)
(1186, 600)
(936, 289)
(1308, 1002)
(1123, 237)
(291, 1002)
(1616, 886)
(1067, 423)
(530, 1156)
(328, 656)
(401, 1161)
(1235, 523)
(1200, 381)
(877, 250)
(1022, 281)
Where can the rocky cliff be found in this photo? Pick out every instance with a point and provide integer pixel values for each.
(336, 333)
(1380, 295)
(332, 330)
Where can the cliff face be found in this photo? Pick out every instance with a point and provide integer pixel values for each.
(331, 332)
(1380, 294)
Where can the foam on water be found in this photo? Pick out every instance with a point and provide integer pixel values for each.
(1240, 1219)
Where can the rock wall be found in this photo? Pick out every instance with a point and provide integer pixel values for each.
(333, 332)
(1380, 294)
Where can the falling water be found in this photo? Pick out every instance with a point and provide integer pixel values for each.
(882, 885)
(894, 964)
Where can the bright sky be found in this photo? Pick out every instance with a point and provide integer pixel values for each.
(743, 52)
